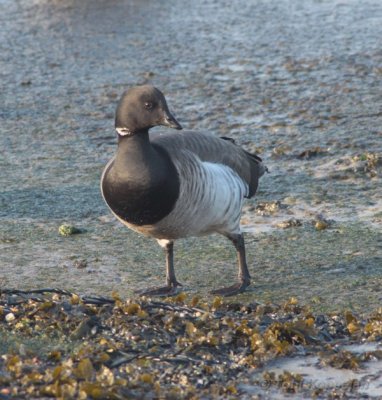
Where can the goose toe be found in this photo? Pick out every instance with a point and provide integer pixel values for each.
(163, 291)
(232, 290)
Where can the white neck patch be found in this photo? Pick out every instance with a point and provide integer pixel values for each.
(123, 131)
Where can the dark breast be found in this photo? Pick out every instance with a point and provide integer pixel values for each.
(144, 198)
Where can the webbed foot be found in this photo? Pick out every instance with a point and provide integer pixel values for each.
(164, 291)
(232, 290)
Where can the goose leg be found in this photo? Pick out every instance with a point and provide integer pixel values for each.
(244, 277)
(171, 283)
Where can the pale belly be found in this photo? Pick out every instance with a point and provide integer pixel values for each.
(210, 203)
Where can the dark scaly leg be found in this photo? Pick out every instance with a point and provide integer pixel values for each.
(244, 277)
(171, 283)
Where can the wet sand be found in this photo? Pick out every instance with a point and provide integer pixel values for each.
(299, 83)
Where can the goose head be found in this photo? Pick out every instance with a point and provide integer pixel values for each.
(142, 108)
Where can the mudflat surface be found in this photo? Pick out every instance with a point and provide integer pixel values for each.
(300, 83)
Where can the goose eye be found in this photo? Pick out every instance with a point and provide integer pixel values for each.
(148, 106)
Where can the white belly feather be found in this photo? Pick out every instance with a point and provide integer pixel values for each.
(210, 200)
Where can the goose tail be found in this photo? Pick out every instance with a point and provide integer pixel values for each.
(254, 158)
(256, 166)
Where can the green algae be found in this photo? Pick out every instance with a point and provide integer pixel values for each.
(68, 230)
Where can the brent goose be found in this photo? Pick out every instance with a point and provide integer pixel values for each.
(170, 186)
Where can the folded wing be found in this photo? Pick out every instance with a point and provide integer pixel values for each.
(219, 150)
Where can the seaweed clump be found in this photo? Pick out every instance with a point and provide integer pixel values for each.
(68, 230)
(61, 345)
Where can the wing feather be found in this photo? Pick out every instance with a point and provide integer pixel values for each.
(213, 149)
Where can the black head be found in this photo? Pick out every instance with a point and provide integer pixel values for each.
(141, 108)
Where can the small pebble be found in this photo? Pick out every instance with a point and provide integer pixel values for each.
(321, 225)
(80, 264)
(10, 317)
(290, 223)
